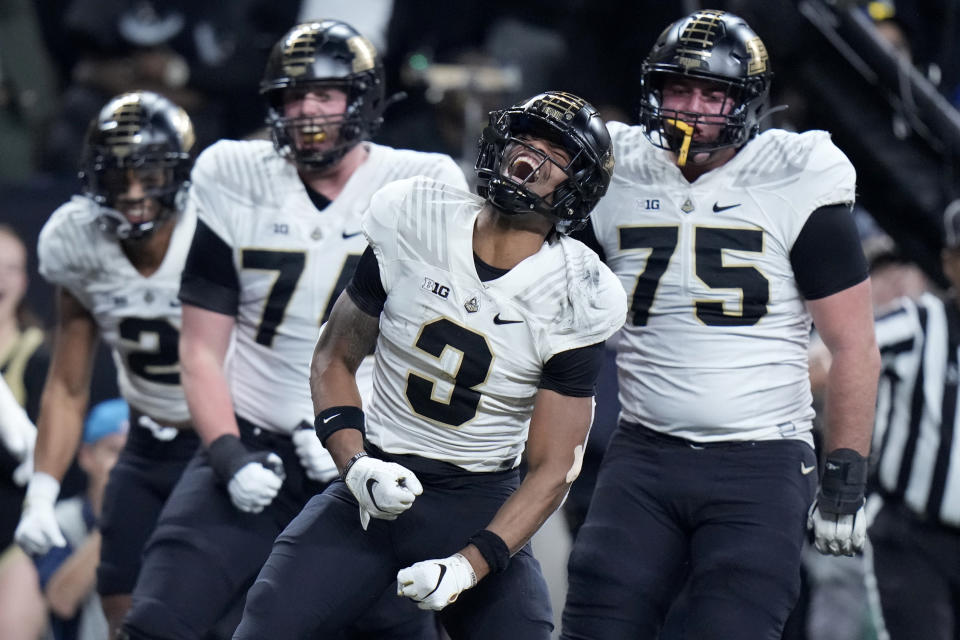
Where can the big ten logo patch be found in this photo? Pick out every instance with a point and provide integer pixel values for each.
(435, 288)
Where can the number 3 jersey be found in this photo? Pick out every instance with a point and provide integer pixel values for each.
(139, 317)
(285, 261)
(715, 345)
(459, 360)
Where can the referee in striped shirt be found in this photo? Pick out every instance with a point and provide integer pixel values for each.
(915, 536)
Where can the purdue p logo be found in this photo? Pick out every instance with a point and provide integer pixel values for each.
(299, 50)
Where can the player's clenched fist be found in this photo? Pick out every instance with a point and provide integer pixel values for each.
(433, 584)
(383, 489)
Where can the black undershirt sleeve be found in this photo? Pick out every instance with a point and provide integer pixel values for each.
(588, 236)
(366, 288)
(209, 278)
(827, 256)
(573, 372)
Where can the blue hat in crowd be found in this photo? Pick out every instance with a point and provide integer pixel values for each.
(106, 418)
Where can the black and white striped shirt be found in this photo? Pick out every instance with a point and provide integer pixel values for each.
(917, 440)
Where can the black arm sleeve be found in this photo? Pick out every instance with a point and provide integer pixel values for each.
(366, 288)
(827, 256)
(588, 236)
(209, 278)
(574, 372)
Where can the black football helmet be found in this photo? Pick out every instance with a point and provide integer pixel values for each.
(326, 53)
(144, 132)
(560, 118)
(708, 45)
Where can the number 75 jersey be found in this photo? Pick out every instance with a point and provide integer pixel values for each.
(715, 344)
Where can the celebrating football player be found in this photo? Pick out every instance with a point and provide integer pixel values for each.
(277, 239)
(730, 242)
(116, 253)
(489, 324)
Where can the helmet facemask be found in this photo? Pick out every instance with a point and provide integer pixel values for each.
(675, 130)
(319, 141)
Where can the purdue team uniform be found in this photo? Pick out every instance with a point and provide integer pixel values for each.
(139, 318)
(714, 390)
(463, 349)
(275, 257)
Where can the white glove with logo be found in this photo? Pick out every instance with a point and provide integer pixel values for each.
(38, 529)
(17, 434)
(433, 584)
(383, 489)
(837, 516)
(253, 478)
(314, 458)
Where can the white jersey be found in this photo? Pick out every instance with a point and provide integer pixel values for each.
(292, 261)
(715, 347)
(138, 317)
(458, 360)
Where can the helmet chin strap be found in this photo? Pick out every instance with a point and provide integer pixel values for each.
(687, 130)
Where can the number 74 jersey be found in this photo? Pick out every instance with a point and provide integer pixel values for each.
(715, 345)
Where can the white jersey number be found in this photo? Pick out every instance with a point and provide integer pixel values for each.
(472, 369)
(710, 243)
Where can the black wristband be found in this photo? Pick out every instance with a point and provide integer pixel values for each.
(844, 482)
(227, 454)
(333, 419)
(493, 549)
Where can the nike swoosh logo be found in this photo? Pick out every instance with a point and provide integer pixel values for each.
(350, 235)
(329, 418)
(498, 320)
(805, 470)
(443, 572)
(717, 208)
(370, 483)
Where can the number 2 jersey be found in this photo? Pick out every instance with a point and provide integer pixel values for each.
(138, 317)
(459, 360)
(268, 256)
(715, 346)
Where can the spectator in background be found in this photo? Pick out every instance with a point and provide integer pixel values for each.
(27, 89)
(68, 574)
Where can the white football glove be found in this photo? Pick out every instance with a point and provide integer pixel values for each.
(433, 584)
(383, 489)
(836, 534)
(17, 434)
(254, 486)
(253, 478)
(314, 458)
(38, 529)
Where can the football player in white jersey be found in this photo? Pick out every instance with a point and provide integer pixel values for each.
(278, 237)
(729, 243)
(116, 253)
(489, 324)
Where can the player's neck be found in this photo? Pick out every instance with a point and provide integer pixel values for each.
(146, 255)
(504, 241)
(692, 170)
(330, 181)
